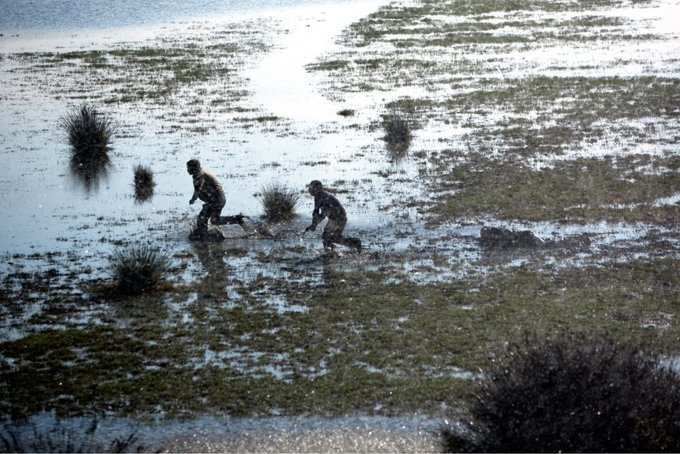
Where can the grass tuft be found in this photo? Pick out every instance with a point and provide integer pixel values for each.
(144, 184)
(279, 202)
(89, 132)
(60, 438)
(574, 394)
(397, 134)
(138, 269)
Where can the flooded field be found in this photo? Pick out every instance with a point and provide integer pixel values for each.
(557, 118)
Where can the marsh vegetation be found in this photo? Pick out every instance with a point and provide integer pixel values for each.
(137, 269)
(573, 393)
(144, 183)
(90, 133)
(516, 116)
(62, 438)
(278, 202)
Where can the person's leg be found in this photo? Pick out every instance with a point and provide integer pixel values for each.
(333, 234)
(329, 234)
(202, 220)
(216, 211)
(217, 218)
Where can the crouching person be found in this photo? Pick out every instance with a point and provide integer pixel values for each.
(326, 205)
(210, 192)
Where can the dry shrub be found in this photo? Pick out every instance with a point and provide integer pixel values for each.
(138, 269)
(279, 202)
(574, 393)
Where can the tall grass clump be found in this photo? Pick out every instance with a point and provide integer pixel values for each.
(144, 184)
(89, 131)
(278, 202)
(397, 132)
(574, 393)
(62, 438)
(138, 269)
(89, 134)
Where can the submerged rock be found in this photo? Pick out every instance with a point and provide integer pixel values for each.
(499, 238)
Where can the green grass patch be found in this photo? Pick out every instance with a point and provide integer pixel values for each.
(361, 346)
(583, 190)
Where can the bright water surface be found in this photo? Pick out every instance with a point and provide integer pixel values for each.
(55, 15)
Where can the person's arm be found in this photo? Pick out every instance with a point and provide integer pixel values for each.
(197, 187)
(317, 215)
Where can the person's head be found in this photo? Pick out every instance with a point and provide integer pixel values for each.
(315, 187)
(193, 166)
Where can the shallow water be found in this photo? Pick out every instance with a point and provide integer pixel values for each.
(243, 162)
(279, 434)
(59, 15)
(283, 127)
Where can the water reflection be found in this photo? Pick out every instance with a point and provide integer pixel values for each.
(397, 152)
(212, 258)
(90, 171)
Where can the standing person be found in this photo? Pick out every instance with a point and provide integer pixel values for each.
(209, 190)
(326, 205)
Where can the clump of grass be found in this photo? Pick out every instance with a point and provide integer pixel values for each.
(144, 184)
(60, 438)
(138, 269)
(397, 134)
(574, 394)
(89, 132)
(279, 202)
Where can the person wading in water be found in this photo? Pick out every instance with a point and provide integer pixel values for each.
(210, 192)
(326, 205)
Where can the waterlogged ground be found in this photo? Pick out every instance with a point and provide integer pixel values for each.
(557, 117)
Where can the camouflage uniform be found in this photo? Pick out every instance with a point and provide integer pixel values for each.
(326, 205)
(209, 191)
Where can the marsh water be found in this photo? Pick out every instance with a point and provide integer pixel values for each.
(47, 209)
(253, 110)
(39, 17)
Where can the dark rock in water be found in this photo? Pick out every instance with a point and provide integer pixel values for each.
(498, 238)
